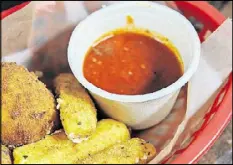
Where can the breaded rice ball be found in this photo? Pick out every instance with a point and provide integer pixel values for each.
(5, 155)
(28, 107)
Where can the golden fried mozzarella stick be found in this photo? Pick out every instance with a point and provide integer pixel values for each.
(5, 155)
(108, 133)
(133, 151)
(77, 111)
(57, 149)
(52, 149)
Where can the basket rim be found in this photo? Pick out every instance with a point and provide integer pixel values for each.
(211, 132)
(208, 134)
(11, 10)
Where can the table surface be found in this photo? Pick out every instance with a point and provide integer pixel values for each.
(221, 152)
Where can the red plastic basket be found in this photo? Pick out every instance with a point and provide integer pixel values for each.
(221, 110)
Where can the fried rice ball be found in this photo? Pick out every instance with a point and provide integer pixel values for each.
(28, 107)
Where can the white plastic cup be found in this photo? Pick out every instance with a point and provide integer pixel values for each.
(137, 111)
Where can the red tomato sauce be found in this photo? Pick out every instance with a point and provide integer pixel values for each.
(131, 63)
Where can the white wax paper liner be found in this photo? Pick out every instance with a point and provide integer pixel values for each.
(214, 68)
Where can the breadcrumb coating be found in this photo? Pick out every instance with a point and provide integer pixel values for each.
(28, 107)
(58, 149)
(5, 155)
(133, 151)
(77, 111)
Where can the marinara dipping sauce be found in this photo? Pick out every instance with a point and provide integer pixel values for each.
(131, 63)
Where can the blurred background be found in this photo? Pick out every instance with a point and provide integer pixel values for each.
(217, 4)
(224, 6)
(221, 152)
